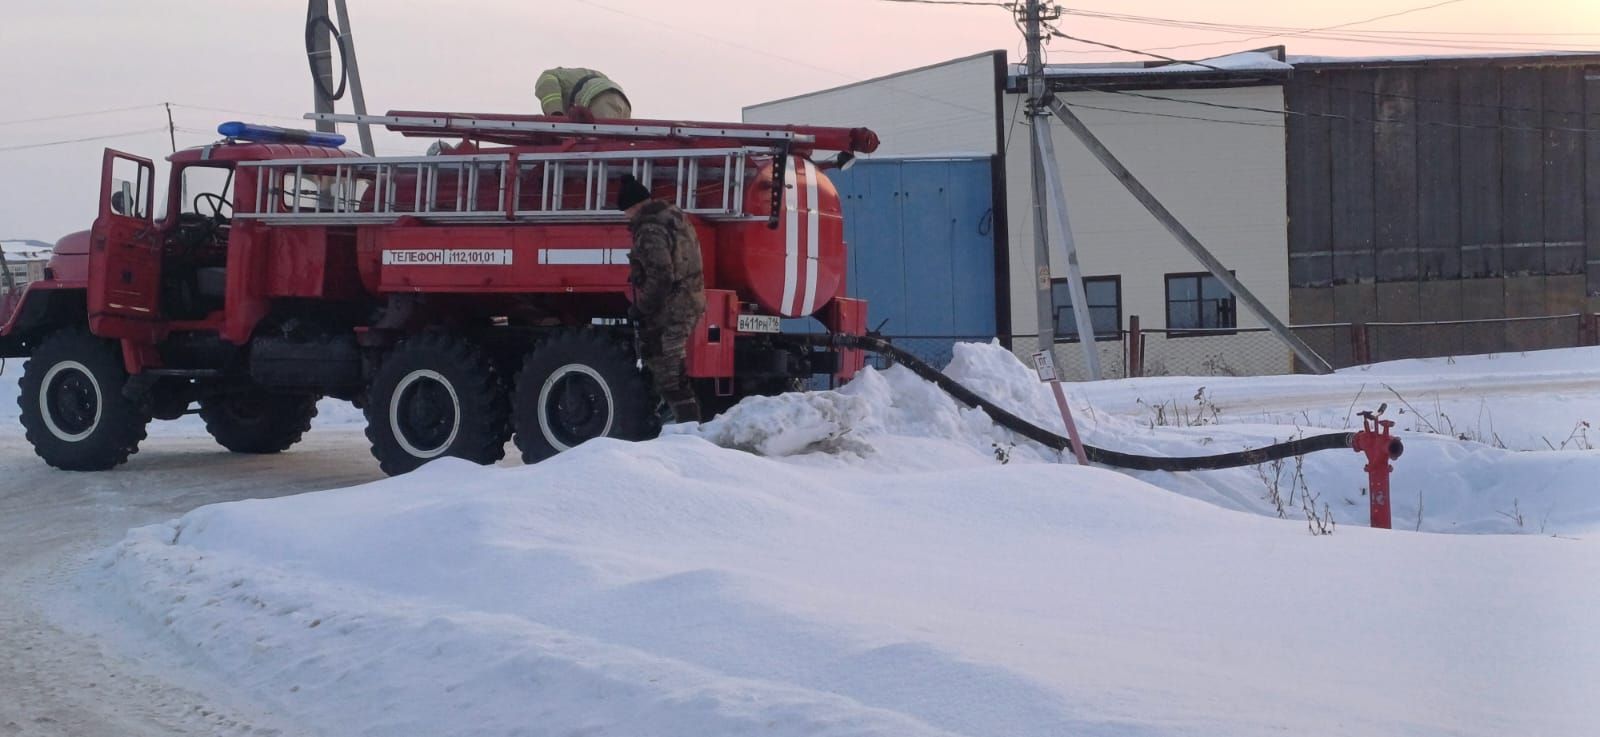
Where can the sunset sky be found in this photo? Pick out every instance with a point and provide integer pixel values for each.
(700, 59)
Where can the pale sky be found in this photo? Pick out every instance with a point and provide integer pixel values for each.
(687, 59)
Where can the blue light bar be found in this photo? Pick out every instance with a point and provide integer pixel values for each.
(274, 134)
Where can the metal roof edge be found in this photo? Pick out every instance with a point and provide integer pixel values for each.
(980, 55)
(1565, 58)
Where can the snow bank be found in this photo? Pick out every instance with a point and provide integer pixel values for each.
(881, 414)
(883, 561)
(677, 588)
(891, 421)
(898, 421)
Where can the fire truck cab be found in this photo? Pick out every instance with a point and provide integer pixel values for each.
(462, 299)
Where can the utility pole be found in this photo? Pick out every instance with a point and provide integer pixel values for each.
(347, 54)
(321, 36)
(1044, 163)
(321, 55)
(1042, 152)
(172, 131)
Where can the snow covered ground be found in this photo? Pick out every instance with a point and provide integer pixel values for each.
(864, 562)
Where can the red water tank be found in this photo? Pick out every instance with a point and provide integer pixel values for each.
(792, 270)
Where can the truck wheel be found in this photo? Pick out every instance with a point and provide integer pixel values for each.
(436, 395)
(258, 422)
(578, 385)
(72, 405)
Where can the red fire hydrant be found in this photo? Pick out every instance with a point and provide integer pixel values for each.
(1380, 447)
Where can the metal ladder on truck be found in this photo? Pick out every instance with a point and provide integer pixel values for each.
(546, 186)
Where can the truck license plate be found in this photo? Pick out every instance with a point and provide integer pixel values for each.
(759, 324)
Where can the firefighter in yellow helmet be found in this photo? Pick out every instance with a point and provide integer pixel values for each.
(581, 94)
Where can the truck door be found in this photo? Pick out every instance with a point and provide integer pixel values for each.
(125, 252)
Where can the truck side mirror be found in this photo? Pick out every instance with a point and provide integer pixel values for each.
(119, 203)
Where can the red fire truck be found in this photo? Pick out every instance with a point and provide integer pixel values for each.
(462, 299)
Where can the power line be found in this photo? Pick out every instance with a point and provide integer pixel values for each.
(1349, 118)
(1009, 6)
(230, 111)
(780, 57)
(1015, 107)
(1153, 114)
(21, 147)
(1335, 88)
(1307, 31)
(1430, 39)
(84, 114)
(1255, 28)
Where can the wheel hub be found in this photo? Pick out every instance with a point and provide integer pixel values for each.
(575, 405)
(70, 401)
(246, 410)
(425, 414)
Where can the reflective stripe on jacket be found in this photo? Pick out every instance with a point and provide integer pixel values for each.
(562, 88)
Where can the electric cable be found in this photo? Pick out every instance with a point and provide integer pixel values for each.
(43, 144)
(1465, 40)
(1176, 116)
(1348, 118)
(1375, 93)
(657, 23)
(1258, 28)
(87, 113)
(337, 40)
(1010, 6)
(1336, 26)
(230, 111)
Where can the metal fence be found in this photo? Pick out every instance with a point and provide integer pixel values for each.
(1137, 351)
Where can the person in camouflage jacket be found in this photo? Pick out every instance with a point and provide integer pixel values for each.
(668, 292)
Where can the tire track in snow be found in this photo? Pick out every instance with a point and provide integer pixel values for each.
(64, 674)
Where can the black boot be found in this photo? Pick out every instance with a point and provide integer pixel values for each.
(686, 410)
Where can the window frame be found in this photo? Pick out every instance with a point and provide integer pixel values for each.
(1115, 279)
(1199, 291)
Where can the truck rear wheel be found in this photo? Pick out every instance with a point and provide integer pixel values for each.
(436, 395)
(73, 410)
(578, 385)
(258, 422)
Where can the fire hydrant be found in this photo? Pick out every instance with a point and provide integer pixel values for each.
(1380, 447)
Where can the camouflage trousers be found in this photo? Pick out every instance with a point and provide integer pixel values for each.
(663, 348)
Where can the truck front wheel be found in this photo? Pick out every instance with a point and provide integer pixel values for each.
(73, 410)
(258, 422)
(436, 395)
(578, 385)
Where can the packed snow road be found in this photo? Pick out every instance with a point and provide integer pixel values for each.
(57, 676)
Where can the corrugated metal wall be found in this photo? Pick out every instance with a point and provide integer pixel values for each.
(921, 240)
(1453, 189)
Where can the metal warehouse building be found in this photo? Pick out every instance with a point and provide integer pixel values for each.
(1445, 189)
(1364, 200)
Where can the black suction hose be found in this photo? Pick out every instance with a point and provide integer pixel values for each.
(1116, 459)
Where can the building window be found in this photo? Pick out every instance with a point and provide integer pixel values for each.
(1104, 294)
(1200, 303)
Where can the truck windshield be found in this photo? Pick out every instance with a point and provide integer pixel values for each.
(207, 190)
